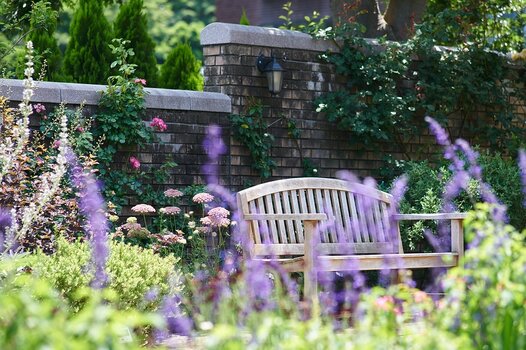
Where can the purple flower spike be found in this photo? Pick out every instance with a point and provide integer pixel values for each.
(176, 321)
(522, 167)
(214, 147)
(92, 206)
(439, 132)
(5, 222)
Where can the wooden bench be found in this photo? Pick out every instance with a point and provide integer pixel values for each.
(357, 232)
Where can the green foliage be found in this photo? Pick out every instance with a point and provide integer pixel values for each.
(132, 271)
(313, 25)
(46, 50)
(495, 24)
(252, 131)
(181, 70)
(426, 187)
(119, 121)
(34, 316)
(372, 107)
(244, 19)
(17, 21)
(87, 55)
(141, 42)
(388, 92)
(485, 299)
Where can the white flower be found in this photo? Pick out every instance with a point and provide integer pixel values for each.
(321, 107)
(206, 325)
(191, 224)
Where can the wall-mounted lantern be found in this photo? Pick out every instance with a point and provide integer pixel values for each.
(273, 71)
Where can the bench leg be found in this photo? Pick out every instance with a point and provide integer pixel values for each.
(310, 274)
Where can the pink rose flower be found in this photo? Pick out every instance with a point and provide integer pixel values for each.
(56, 144)
(134, 163)
(158, 124)
(140, 81)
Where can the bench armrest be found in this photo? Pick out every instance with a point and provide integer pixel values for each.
(304, 217)
(437, 216)
(457, 232)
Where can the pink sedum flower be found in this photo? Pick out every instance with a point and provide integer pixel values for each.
(158, 124)
(140, 81)
(217, 217)
(218, 212)
(134, 163)
(143, 209)
(203, 198)
(173, 193)
(170, 210)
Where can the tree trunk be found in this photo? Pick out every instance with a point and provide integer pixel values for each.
(401, 16)
(397, 21)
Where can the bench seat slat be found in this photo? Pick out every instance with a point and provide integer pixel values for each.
(323, 248)
(388, 261)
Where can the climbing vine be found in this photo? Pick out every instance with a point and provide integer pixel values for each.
(121, 127)
(253, 132)
(391, 86)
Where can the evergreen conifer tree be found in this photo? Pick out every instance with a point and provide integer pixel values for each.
(244, 19)
(131, 24)
(181, 70)
(46, 49)
(88, 55)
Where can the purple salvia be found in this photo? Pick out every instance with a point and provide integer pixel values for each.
(215, 148)
(397, 194)
(259, 286)
(472, 156)
(443, 140)
(5, 222)
(176, 322)
(522, 167)
(92, 206)
(439, 132)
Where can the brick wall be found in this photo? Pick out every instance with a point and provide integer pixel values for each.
(186, 113)
(230, 53)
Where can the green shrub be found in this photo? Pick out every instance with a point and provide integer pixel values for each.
(486, 296)
(87, 55)
(181, 70)
(140, 41)
(133, 272)
(34, 316)
(426, 187)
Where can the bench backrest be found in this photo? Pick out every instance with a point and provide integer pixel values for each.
(358, 221)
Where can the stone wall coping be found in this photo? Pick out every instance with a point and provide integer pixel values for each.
(75, 94)
(228, 33)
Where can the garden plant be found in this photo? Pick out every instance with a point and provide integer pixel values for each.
(75, 273)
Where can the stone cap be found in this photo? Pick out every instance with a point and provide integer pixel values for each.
(228, 33)
(75, 94)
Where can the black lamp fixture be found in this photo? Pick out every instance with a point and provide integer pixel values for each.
(273, 71)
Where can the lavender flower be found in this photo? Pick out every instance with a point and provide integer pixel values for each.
(522, 167)
(92, 206)
(5, 222)
(176, 321)
(215, 148)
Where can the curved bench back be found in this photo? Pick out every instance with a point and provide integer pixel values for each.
(357, 215)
